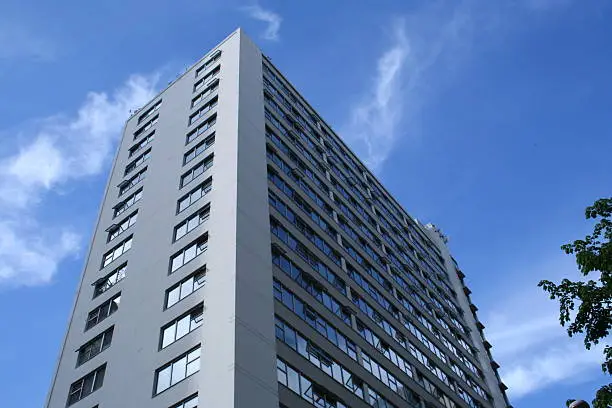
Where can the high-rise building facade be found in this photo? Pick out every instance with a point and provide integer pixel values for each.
(245, 257)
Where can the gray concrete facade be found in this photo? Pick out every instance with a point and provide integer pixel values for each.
(309, 264)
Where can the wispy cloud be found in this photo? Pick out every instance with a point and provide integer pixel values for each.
(273, 20)
(427, 49)
(18, 41)
(398, 90)
(374, 121)
(61, 150)
(528, 341)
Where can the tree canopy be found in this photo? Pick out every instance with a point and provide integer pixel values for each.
(585, 307)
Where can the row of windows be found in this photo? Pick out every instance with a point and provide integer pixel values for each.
(95, 346)
(294, 272)
(201, 112)
(127, 185)
(94, 380)
(117, 251)
(173, 372)
(276, 203)
(149, 111)
(192, 222)
(117, 229)
(214, 57)
(202, 96)
(343, 192)
(137, 161)
(146, 127)
(177, 370)
(312, 318)
(128, 202)
(196, 171)
(194, 195)
(182, 326)
(105, 283)
(86, 385)
(351, 180)
(305, 388)
(188, 363)
(205, 80)
(356, 220)
(142, 144)
(198, 149)
(201, 129)
(185, 287)
(189, 253)
(103, 311)
(381, 204)
(315, 263)
(321, 397)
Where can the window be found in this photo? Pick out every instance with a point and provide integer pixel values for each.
(198, 149)
(185, 287)
(305, 388)
(203, 110)
(103, 311)
(137, 161)
(213, 58)
(189, 402)
(116, 229)
(127, 185)
(142, 144)
(209, 90)
(146, 127)
(149, 111)
(203, 127)
(188, 253)
(208, 77)
(117, 251)
(127, 203)
(196, 171)
(86, 385)
(194, 195)
(110, 280)
(191, 223)
(176, 371)
(95, 346)
(182, 326)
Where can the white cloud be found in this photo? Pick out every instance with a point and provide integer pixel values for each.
(552, 365)
(374, 121)
(533, 349)
(273, 20)
(61, 150)
(387, 111)
(428, 48)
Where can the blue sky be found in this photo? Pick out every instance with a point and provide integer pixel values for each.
(490, 119)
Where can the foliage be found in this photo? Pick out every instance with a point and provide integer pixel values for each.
(586, 307)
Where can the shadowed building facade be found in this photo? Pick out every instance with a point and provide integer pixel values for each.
(245, 257)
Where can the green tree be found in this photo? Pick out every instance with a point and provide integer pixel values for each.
(586, 306)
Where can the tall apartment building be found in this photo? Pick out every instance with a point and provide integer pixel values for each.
(245, 257)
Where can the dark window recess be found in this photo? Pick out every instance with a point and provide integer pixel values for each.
(86, 385)
(95, 346)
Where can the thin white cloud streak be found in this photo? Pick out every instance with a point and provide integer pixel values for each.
(389, 107)
(428, 47)
(533, 349)
(61, 151)
(374, 122)
(273, 20)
